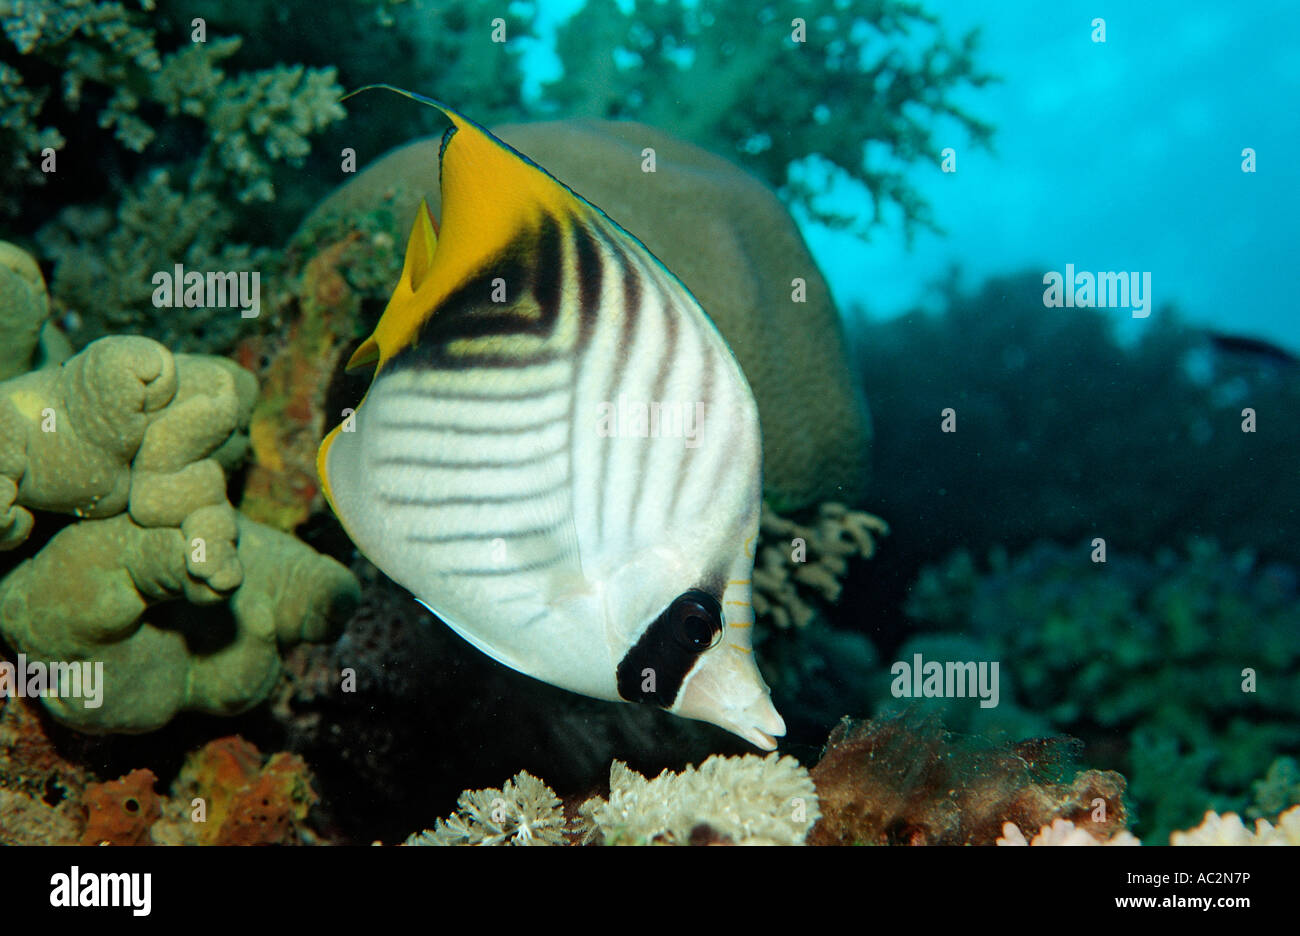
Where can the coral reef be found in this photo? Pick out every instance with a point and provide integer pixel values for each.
(1279, 789)
(795, 561)
(846, 81)
(818, 672)
(1194, 659)
(289, 419)
(729, 240)
(126, 425)
(525, 811)
(226, 793)
(739, 800)
(1063, 832)
(249, 120)
(191, 138)
(902, 780)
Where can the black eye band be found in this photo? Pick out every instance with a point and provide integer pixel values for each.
(655, 668)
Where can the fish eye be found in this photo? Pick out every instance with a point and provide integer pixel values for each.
(696, 619)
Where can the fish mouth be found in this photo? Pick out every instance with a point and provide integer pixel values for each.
(760, 728)
(730, 693)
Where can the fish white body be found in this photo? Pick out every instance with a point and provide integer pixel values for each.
(493, 468)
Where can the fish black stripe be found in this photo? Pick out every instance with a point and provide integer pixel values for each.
(661, 650)
(472, 397)
(487, 536)
(415, 461)
(420, 426)
(630, 309)
(428, 358)
(706, 394)
(661, 381)
(548, 269)
(480, 501)
(468, 312)
(510, 570)
(591, 275)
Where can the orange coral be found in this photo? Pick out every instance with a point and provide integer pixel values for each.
(121, 812)
(270, 811)
(245, 803)
(288, 420)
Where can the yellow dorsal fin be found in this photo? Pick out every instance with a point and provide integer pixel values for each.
(420, 248)
(491, 194)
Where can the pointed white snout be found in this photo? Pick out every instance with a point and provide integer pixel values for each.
(726, 689)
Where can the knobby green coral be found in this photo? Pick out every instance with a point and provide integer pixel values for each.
(524, 811)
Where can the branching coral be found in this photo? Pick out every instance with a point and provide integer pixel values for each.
(104, 264)
(739, 800)
(251, 120)
(800, 566)
(1213, 830)
(525, 811)
(851, 78)
(1230, 830)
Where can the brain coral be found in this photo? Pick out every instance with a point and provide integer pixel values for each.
(729, 239)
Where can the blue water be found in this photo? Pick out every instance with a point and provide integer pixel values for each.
(1117, 156)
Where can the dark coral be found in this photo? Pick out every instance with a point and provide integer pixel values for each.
(904, 780)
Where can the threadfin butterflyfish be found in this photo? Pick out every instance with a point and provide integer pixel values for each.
(558, 454)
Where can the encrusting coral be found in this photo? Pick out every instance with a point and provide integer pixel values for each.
(524, 811)
(735, 800)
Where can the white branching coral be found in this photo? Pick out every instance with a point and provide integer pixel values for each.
(748, 800)
(799, 564)
(1213, 830)
(525, 811)
(1062, 832)
(1230, 830)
